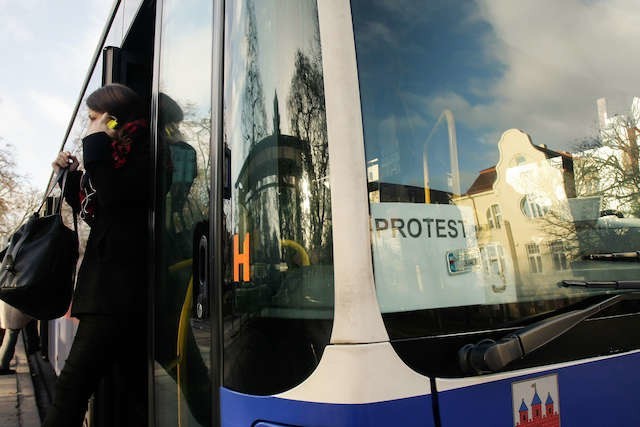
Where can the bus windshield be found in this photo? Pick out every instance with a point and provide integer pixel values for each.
(501, 141)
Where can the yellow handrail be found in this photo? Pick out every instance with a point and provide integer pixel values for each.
(298, 248)
(183, 327)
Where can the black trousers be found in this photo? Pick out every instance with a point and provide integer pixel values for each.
(102, 342)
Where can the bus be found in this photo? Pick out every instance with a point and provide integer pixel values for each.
(374, 213)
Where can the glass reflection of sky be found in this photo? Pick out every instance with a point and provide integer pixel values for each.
(122, 22)
(80, 121)
(186, 61)
(279, 36)
(536, 66)
(130, 10)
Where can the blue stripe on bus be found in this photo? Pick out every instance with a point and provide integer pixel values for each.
(241, 410)
(599, 393)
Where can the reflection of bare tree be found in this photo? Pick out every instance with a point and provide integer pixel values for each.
(605, 171)
(196, 129)
(254, 118)
(308, 122)
(557, 226)
(579, 238)
(73, 143)
(608, 165)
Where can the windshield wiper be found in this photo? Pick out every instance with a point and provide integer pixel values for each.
(491, 356)
(614, 256)
(607, 284)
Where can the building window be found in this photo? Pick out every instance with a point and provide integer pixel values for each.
(493, 262)
(535, 259)
(531, 208)
(494, 216)
(559, 255)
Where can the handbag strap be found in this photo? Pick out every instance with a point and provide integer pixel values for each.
(62, 173)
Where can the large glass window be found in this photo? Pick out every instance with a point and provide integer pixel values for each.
(64, 329)
(122, 22)
(489, 126)
(278, 290)
(182, 332)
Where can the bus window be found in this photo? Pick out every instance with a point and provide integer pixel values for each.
(278, 290)
(496, 161)
(63, 329)
(122, 22)
(182, 332)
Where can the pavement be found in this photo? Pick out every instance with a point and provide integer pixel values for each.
(17, 397)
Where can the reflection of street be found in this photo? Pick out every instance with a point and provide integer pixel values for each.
(530, 220)
(202, 334)
(278, 292)
(183, 386)
(511, 202)
(167, 406)
(531, 217)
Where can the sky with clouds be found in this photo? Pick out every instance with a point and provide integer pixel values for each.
(46, 51)
(535, 65)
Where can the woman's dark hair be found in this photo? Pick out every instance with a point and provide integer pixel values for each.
(119, 101)
(168, 110)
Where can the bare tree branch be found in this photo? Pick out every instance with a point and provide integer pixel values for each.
(18, 199)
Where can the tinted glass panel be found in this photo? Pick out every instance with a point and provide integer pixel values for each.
(182, 332)
(278, 290)
(63, 330)
(502, 148)
(122, 22)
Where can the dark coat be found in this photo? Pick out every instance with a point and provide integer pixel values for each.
(113, 275)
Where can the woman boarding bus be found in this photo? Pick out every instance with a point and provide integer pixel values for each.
(386, 213)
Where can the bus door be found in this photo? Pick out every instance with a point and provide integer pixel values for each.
(182, 333)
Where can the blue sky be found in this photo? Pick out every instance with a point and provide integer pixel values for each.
(46, 48)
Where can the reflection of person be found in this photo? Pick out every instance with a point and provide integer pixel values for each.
(11, 320)
(180, 157)
(179, 160)
(110, 295)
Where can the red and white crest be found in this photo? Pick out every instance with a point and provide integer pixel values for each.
(536, 402)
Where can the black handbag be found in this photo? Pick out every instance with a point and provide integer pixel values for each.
(38, 267)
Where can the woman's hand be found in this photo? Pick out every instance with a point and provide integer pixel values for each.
(98, 123)
(65, 160)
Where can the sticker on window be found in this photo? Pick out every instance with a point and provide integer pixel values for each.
(460, 261)
(420, 255)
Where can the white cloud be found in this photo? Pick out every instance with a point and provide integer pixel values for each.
(557, 59)
(34, 151)
(374, 33)
(12, 119)
(186, 67)
(54, 108)
(46, 50)
(15, 31)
